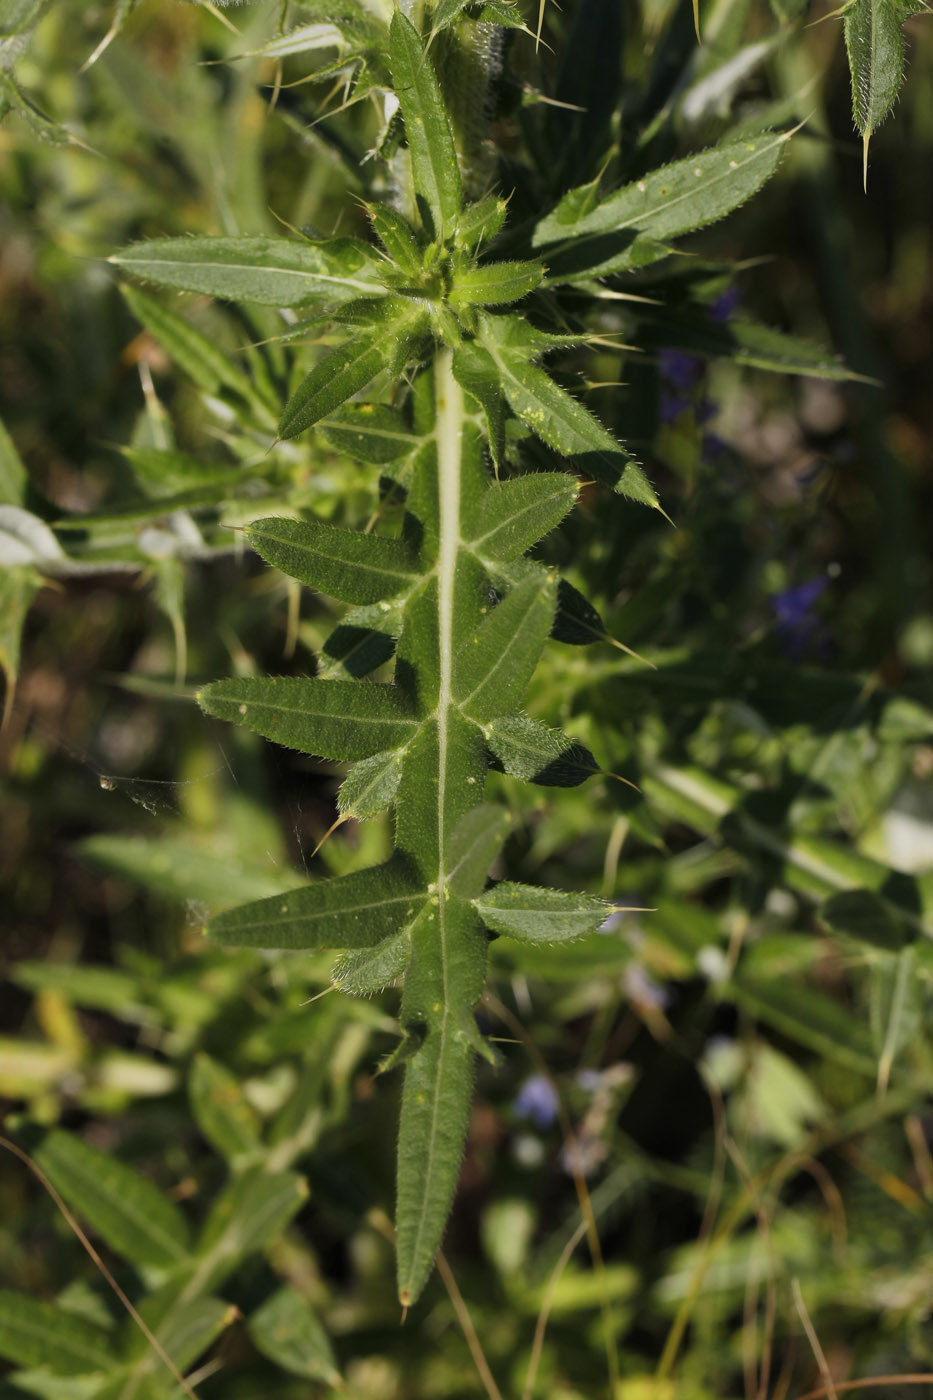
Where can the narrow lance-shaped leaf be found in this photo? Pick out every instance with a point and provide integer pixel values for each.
(190, 348)
(40, 1334)
(345, 564)
(333, 719)
(875, 49)
(221, 1110)
(494, 667)
(529, 750)
(132, 1215)
(442, 985)
(347, 370)
(495, 284)
(563, 423)
(370, 432)
(430, 141)
(351, 911)
(474, 844)
(537, 915)
(676, 199)
(288, 1331)
(271, 271)
(515, 514)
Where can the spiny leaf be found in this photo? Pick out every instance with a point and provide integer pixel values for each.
(674, 200)
(131, 1214)
(494, 284)
(333, 719)
(348, 369)
(538, 915)
(370, 432)
(397, 236)
(272, 271)
(515, 514)
(561, 421)
(480, 222)
(371, 785)
(529, 750)
(366, 971)
(443, 983)
(492, 671)
(474, 844)
(350, 911)
(427, 129)
(475, 371)
(875, 49)
(345, 564)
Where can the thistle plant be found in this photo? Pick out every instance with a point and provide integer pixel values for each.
(427, 326)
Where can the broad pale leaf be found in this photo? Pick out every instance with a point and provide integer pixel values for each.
(287, 1330)
(185, 1328)
(351, 911)
(333, 719)
(132, 1215)
(246, 1219)
(271, 271)
(427, 129)
(163, 472)
(41, 1334)
(534, 914)
(221, 1110)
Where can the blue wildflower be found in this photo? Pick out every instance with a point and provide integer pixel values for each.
(680, 369)
(537, 1100)
(796, 620)
(725, 305)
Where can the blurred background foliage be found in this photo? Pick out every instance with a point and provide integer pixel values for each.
(739, 1080)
